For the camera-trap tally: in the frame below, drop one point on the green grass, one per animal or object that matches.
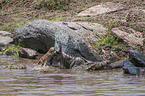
(14, 48)
(106, 40)
(112, 24)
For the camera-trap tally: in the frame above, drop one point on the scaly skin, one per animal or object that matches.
(67, 61)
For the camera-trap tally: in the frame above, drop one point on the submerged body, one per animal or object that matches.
(64, 61)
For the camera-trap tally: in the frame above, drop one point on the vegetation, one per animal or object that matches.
(108, 39)
(15, 13)
(14, 48)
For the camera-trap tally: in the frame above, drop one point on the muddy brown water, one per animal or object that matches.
(30, 82)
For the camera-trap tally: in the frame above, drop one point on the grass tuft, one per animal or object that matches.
(14, 48)
(106, 40)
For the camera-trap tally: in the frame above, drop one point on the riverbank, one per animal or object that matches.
(124, 22)
(22, 12)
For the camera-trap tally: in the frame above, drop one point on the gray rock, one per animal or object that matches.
(38, 35)
(74, 37)
(5, 33)
(137, 58)
(5, 38)
(107, 7)
(129, 36)
(129, 68)
(135, 14)
(135, 65)
(27, 53)
(90, 32)
(73, 44)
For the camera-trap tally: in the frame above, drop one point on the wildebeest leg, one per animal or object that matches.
(51, 57)
(44, 64)
(46, 56)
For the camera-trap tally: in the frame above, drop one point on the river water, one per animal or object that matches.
(29, 82)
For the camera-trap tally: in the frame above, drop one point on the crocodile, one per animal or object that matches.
(64, 61)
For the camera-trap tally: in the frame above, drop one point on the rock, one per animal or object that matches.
(38, 35)
(10, 52)
(5, 38)
(135, 19)
(135, 14)
(129, 36)
(129, 68)
(139, 26)
(90, 32)
(76, 42)
(73, 44)
(137, 58)
(74, 37)
(27, 53)
(107, 7)
(135, 65)
(5, 33)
